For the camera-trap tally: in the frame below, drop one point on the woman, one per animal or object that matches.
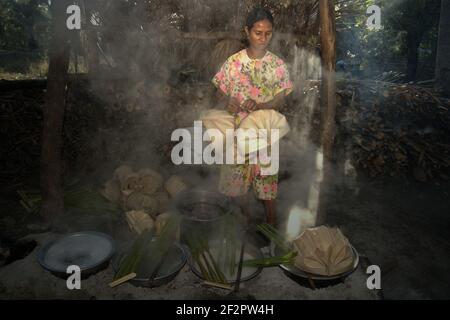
(250, 80)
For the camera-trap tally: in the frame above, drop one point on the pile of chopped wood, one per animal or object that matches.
(394, 130)
(21, 104)
(386, 129)
(20, 127)
(105, 122)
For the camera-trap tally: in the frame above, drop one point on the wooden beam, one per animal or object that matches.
(217, 35)
(53, 115)
(328, 51)
(328, 99)
(443, 47)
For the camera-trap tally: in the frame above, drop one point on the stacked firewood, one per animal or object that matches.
(386, 129)
(395, 130)
(20, 128)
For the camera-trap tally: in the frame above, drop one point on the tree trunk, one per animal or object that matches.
(90, 39)
(413, 42)
(53, 115)
(328, 96)
(29, 14)
(443, 48)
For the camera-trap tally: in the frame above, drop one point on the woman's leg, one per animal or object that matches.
(234, 180)
(269, 208)
(234, 183)
(266, 189)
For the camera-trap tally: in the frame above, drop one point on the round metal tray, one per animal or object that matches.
(90, 251)
(248, 273)
(293, 270)
(169, 269)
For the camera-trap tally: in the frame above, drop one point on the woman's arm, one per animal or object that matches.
(221, 99)
(228, 103)
(276, 103)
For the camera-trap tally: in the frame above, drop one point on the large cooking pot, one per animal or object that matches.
(202, 211)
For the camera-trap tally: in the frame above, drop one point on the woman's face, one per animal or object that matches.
(260, 34)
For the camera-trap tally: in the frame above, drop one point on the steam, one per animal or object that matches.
(148, 53)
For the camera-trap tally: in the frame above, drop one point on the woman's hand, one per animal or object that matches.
(233, 105)
(250, 105)
(276, 103)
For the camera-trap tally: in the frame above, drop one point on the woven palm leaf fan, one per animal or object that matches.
(323, 251)
(261, 139)
(217, 119)
(252, 139)
(220, 120)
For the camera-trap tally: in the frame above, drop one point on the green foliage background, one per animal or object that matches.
(377, 50)
(24, 30)
(24, 37)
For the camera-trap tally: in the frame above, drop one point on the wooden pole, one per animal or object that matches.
(328, 96)
(328, 45)
(443, 47)
(53, 115)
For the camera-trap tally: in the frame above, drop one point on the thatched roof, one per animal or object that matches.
(299, 17)
(148, 35)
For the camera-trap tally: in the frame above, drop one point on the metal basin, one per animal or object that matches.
(251, 252)
(169, 269)
(89, 250)
(315, 281)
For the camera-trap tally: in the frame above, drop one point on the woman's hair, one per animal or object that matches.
(258, 14)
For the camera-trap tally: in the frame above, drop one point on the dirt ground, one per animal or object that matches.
(36, 284)
(401, 227)
(25, 279)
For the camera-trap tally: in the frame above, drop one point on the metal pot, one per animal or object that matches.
(202, 211)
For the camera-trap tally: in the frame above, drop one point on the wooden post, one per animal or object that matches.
(53, 115)
(443, 47)
(93, 59)
(328, 96)
(328, 45)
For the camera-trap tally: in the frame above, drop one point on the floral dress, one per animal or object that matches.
(261, 80)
